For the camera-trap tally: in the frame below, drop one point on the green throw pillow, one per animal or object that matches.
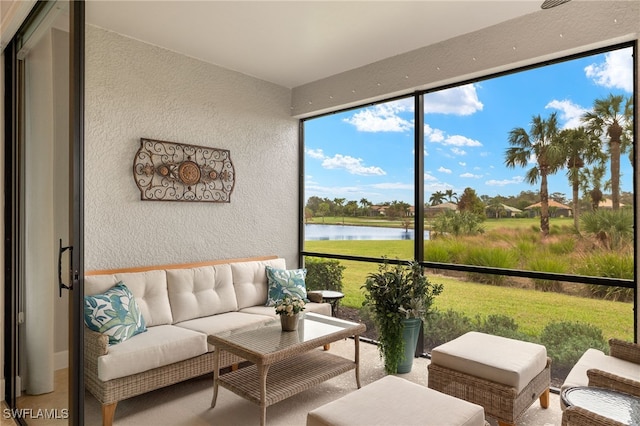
(114, 313)
(282, 282)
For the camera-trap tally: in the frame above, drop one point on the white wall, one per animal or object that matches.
(136, 90)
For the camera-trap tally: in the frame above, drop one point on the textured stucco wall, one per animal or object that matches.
(136, 90)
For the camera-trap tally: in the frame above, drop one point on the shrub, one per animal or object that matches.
(323, 274)
(567, 341)
(492, 257)
(613, 228)
(441, 327)
(611, 265)
(457, 223)
(548, 264)
(499, 325)
(436, 252)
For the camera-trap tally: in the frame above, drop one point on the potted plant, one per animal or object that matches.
(399, 298)
(288, 308)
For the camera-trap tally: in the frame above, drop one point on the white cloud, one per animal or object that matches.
(458, 151)
(444, 170)
(504, 182)
(470, 175)
(382, 118)
(570, 113)
(351, 165)
(459, 140)
(315, 153)
(393, 185)
(461, 100)
(462, 163)
(429, 177)
(433, 135)
(615, 72)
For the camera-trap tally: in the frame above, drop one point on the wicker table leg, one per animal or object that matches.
(216, 375)
(263, 370)
(356, 340)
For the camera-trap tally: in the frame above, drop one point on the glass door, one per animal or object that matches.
(42, 219)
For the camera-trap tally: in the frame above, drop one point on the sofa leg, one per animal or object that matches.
(327, 346)
(108, 413)
(544, 399)
(234, 366)
(504, 424)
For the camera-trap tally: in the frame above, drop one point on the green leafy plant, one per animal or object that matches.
(323, 274)
(393, 293)
(567, 341)
(290, 306)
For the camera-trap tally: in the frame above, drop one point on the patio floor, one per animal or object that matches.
(187, 403)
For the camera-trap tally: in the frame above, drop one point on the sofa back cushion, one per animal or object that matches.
(149, 289)
(250, 281)
(200, 292)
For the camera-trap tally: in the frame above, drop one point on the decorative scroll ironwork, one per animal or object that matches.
(169, 171)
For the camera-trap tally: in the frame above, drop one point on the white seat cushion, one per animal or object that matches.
(318, 308)
(593, 358)
(396, 401)
(158, 346)
(200, 292)
(222, 322)
(507, 361)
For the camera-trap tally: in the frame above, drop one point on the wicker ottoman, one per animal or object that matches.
(505, 376)
(396, 401)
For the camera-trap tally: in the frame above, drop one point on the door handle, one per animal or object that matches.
(61, 250)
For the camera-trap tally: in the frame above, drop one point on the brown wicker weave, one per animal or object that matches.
(110, 392)
(501, 402)
(578, 416)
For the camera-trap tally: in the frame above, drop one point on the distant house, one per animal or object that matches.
(431, 211)
(556, 209)
(607, 204)
(505, 211)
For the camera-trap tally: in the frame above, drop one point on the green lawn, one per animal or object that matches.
(532, 310)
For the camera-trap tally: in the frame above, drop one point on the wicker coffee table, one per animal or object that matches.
(284, 363)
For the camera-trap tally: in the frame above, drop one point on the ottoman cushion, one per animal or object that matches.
(396, 401)
(499, 359)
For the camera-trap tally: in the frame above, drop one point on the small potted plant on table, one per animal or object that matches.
(289, 309)
(399, 298)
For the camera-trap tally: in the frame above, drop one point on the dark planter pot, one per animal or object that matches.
(410, 333)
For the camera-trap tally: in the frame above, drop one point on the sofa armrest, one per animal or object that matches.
(625, 350)
(95, 344)
(604, 379)
(578, 416)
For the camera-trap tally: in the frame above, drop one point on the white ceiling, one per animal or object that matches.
(291, 43)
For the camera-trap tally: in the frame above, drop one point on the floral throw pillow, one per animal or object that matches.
(283, 282)
(114, 313)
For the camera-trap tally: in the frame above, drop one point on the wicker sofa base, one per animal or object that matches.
(110, 392)
(500, 402)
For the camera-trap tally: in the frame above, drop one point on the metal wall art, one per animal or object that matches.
(167, 171)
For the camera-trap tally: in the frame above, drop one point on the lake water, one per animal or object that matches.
(314, 232)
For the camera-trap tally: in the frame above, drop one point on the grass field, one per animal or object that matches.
(531, 309)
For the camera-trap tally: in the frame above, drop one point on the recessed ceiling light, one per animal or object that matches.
(548, 4)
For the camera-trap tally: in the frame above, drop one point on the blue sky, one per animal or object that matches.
(368, 152)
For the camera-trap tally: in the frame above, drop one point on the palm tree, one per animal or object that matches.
(436, 198)
(611, 117)
(452, 197)
(591, 184)
(579, 148)
(540, 144)
(365, 206)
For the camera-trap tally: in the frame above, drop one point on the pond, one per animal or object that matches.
(315, 232)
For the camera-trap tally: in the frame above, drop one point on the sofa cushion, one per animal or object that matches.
(285, 282)
(593, 358)
(200, 292)
(222, 322)
(318, 308)
(159, 346)
(114, 313)
(250, 281)
(149, 289)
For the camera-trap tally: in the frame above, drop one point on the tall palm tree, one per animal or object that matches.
(452, 197)
(611, 117)
(579, 148)
(436, 198)
(539, 145)
(591, 183)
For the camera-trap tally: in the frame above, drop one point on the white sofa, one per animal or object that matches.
(181, 305)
